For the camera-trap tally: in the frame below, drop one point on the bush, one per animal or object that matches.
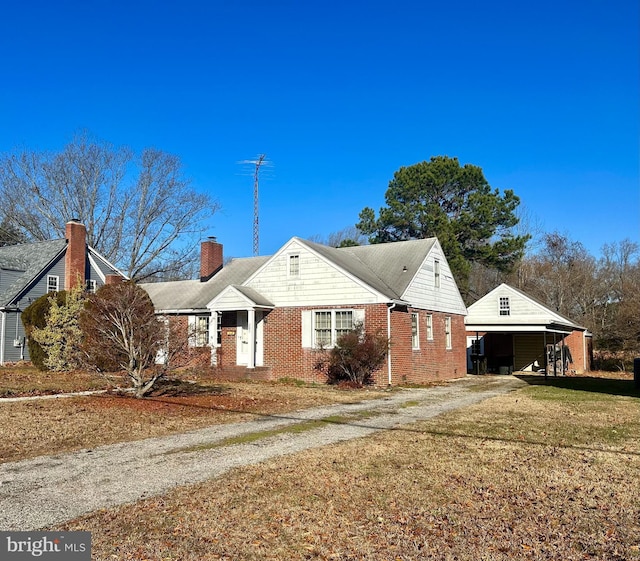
(35, 316)
(355, 358)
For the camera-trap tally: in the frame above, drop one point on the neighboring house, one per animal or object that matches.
(28, 271)
(273, 315)
(509, 330)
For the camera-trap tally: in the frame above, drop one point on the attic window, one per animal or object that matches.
(436, 273)
(504, 307)
(53, 283)
(294, 266)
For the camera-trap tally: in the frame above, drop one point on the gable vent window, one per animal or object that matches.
(53, 283)
(505, 308)
(294, 266)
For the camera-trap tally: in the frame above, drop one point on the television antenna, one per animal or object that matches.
(257, 163)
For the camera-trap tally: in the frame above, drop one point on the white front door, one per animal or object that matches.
(242, 339)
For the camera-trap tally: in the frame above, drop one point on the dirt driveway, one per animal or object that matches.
(52, 489)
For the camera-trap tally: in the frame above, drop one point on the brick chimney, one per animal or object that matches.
(75, 259)
(113, 279)
(210, 258)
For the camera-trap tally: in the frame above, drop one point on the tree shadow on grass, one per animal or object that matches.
(609, 386)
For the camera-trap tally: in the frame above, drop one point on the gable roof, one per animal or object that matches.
(29, 258)
(195, 295)
(389, 268)
(538, 315)
(386, 268)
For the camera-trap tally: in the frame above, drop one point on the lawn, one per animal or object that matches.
(48, 426)
(547, 472)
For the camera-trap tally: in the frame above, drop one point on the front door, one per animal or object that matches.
(242, 338)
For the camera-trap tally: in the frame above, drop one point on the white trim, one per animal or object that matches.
(416, 346)
(2, 330)
(90, 249)
(50, 277)
(94, 266)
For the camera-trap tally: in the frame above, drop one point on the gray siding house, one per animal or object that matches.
(28, 271)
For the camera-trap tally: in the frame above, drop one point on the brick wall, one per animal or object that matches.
(579, 347)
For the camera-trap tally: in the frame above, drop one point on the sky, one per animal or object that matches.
(543, 96)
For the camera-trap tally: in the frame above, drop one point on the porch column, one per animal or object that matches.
(251, 324)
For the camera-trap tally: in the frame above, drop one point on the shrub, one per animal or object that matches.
(355, 358)
(35, 316)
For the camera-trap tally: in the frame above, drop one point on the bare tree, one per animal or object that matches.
(346, 237)
(140, 211)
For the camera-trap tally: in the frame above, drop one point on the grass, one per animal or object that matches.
(535, 474)
(26, 380)
(33, 428)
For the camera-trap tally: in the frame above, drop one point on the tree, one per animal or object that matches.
(10, 234)
(61, 336)
(120, 328)
(473, 222)
(140, 211)
(356, 357)
(347, 237)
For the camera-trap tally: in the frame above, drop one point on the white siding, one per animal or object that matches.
(422, 292)
(230, 299)
(522, 309)
(319, 283)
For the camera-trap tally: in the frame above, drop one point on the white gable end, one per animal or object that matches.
(423, 291)
(297, 276)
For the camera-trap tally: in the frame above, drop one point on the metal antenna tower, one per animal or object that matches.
(257, 163)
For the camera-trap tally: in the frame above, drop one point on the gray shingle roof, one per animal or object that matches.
(379, 266)
(31, 258)
(195, 295)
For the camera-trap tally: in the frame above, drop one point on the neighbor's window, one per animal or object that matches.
(202, 331)
(415, 341)
(92, 286)
(429, 327)
(329, 325)
(53, 283)
(294, 265)
(447, 331)
(219, 328)
(505, 309)
(436, 273)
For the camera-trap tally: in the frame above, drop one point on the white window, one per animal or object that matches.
(219, 328)
(415, 339)
(322, 328)
(429, 327)
(504, 307)
(202, 331)
(92, 286)
(436, 273)
(476, 346)
(53, 283)
(294, 266)
(447, 332)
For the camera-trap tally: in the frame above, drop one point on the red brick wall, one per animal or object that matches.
(579, 348)
(432, 361)
(283, 351)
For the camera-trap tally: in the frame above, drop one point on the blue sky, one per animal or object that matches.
(543, 96)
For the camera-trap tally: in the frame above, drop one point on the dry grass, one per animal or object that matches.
(25, 380)
(33, 428)
(542, 473)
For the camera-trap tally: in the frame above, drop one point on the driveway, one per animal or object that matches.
(49, 490)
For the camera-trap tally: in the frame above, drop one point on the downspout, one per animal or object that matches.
(2, 332)
(393, 305)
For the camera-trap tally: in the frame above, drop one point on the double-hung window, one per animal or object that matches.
(436, 273)
(293, 271)
(53, 283)
(429, 327)
(447, 332)
(329, 325)
(415, 335)
(92, 286)
(199, 331)
(504, 306)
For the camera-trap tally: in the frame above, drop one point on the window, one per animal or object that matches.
(476, 346)
(505, 309)
(219, 328)
(329, 325)
(436, 273)
(202, 331)
(91, 286)
(415, 340)
(447, 331)
(429, 327)
(294, 266)
(53, 283)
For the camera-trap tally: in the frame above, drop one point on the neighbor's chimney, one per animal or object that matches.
(113, 279)
(75, 258)
(210, 258)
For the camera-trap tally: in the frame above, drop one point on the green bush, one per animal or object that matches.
(35, 316)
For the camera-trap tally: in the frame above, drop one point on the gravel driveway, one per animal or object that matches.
(52, 489)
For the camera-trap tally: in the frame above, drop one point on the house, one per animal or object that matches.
(30, 270)
(509, 330)
(271, 316)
